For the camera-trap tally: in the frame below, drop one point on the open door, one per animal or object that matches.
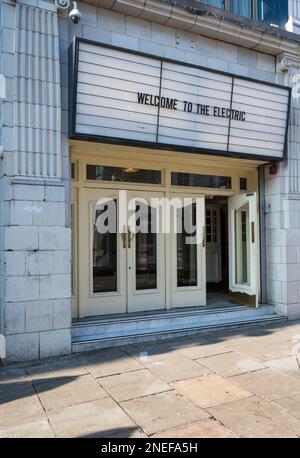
(243, 247)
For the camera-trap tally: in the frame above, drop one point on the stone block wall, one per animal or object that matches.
(36, 242)
(37, 271)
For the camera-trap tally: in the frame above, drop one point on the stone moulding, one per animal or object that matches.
(209, 21)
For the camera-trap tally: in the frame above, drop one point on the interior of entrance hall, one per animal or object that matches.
(217, 268)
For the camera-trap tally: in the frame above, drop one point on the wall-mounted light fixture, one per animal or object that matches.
(273, 169)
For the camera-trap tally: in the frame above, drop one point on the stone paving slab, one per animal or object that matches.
(270, 350)
(21, 410)
(232, 363)
(289, 364)
(256, 417)
(63, 392)
(163, 411)
(56, 369)
(101, 418)
(12, 374)
(38, 429)
(209, 428)
(240, 382)
(200, 350)
(160, 350)
(268, 383)
(210, 390)
(291, 404)
(173, 366)
(109, 362)
(132, 385)
(15, 384)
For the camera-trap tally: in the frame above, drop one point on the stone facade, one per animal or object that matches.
(36, 256)
(35, 237)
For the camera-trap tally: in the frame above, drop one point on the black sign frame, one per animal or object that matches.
(73, 135)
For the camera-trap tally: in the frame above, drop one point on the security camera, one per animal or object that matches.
(75, 14)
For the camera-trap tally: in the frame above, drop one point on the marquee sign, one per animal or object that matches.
(131, 98)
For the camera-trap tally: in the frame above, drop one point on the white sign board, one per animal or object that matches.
(137, 99)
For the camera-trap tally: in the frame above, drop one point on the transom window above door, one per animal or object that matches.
(123, 174)
(200, 180)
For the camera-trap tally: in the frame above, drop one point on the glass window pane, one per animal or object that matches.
(216, 3)
(104, 255)
(242, 246)
(273, 11)
(243, 184)
(242, 8)
(126, 174)
(200, 181)
(145, 248)
(73, 170)
(186, 252)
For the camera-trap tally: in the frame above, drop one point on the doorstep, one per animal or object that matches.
(113, 331)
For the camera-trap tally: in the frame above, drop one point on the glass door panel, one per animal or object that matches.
(104, 257)
(213, 245)
(187, 251)
(242, 245)
(145, 248)
(243, 249)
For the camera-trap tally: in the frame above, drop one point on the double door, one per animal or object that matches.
(140, 251)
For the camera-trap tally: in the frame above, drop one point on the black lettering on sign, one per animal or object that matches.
(203, 109)
(141, 97)
(170, 103)
(156, 100)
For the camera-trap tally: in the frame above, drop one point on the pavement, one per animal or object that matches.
(244, 382)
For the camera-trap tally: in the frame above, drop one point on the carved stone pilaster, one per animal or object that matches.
(290, 66)
(37, 104)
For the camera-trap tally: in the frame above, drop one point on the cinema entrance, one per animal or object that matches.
(153, 139)
(172, 238)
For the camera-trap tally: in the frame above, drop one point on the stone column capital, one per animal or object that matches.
(289, 64)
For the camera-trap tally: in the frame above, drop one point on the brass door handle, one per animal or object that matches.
(130, 237)
(124, 239)
(252, 232)
(204, 237)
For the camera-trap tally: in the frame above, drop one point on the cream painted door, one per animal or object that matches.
(145, 252)
(121, 252)
(187, 253)
(213, 244)
(102, 254)
(243, 249)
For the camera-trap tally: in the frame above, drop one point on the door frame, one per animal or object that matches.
(245, 293)
(84, 153)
